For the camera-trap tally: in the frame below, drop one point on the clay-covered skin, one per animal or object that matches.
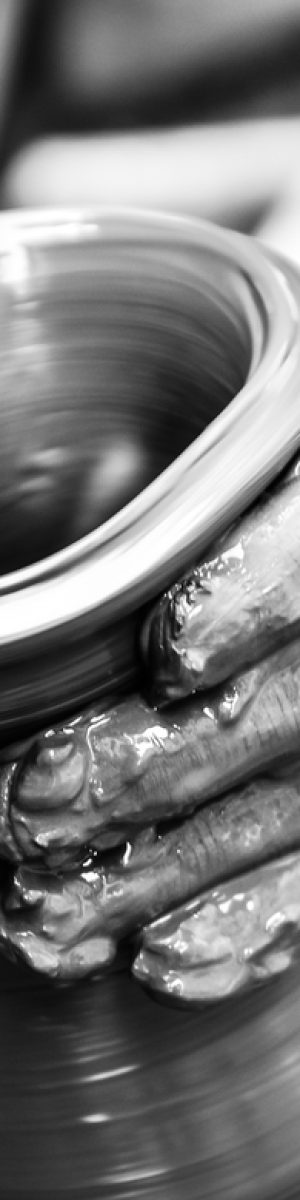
(49, 923)
(233, 608)
(66, 925)
(94, 783)
(237, 935)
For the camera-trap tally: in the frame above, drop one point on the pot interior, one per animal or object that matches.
(114, 358)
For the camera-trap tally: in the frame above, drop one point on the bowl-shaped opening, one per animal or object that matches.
(114, 358)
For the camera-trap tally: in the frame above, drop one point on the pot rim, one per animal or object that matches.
(69, 585)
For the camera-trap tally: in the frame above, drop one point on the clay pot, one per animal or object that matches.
(149, 389)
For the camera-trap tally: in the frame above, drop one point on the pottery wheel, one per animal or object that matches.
(105, 1093)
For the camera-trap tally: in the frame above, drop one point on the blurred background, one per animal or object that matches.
(187, 105)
